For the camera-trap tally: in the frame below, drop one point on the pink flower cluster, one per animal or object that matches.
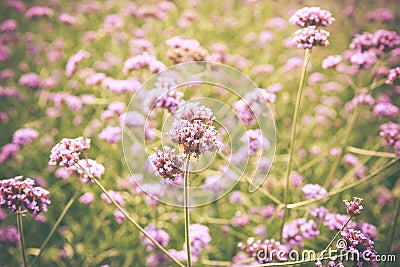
(89, 166)
(167, 163)
(311, 36)
(18, 194)
(38, 12)
(359, 243)
(251, 104)
(158, 234)
(256, 141)
(9, 25)
(253, 246)
(380, 15)
(30, 80)
(314, 191)
(353, 207)
(331, 62)
(382, 40)
(391, 133)
(394, 76)
(21, 137)
(73, 61)
(143, 60)
(9, 235)
(312, 16)
(185, 50)
(66, 153)
(296, 231)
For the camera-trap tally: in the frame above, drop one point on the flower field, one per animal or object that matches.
(199, 133)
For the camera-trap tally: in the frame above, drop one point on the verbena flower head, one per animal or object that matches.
(196, 137)
(354, 207)
(311, 36)
(359, 245)
(394, 76)
(157, 234)
(312, 16)
(22, 194)
(185, 50)
(255, 140)
(167, 163)
(24, 136)
(296, 231)
(191, 111)
(66, 153)
(200, 239)
(391, 133)
(314, 191)
(253, 246)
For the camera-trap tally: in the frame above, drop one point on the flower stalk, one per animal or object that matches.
(186, 211)
(130, 219)
(21, 235)
(306, 60)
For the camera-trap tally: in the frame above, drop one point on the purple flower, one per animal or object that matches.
(296, 179)
(112, 23)
(350, 160)
(239, 219)
(379, 15)
(30, 80)
(121, 86)
(9, 235)
(296, 231)
(142, 61)
(331, 62)
(394, 76)
(24, 136)
(115, 195)
(167, 163)
(19, 194)
(200, 239)
(255, 140)
(357, 242)
(354, 207)
(319, 213)
(196, 137)
(236, 197)
(67, 19)
(8, 150)
(336, 221)
(73, 61)
(157, 234)
(311, 36)
(164, 95)
(314, 191)
(253, 246)
(90, 166)
(312, 16)
(385, 40)
(368, 229)
(66, 153)
(86, 198)
(363, 60)
(9, 25)
(119, 216)
(111, 134)
(38, 12)
(386, 109)
(185, 50)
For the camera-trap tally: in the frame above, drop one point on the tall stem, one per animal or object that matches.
(333, 239)
(306, 60)
(186, 211)
(55, 226)
(129, 218)
(21, 235)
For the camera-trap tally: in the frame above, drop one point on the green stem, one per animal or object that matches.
(306, 60)
(129, 218)
(21, 235)
(344, 188)
(55, 226)
(371, 153)
(186, 211)
(342, 145)
(333, 239)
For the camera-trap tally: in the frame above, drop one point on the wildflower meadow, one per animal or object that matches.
(199, 133)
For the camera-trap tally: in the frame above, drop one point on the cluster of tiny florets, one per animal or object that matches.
(18, 195)
(168, 164)
(354, 207)
(309, 19)
(391, 133)
(394, 76)
(66, 153)
(185, 50)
